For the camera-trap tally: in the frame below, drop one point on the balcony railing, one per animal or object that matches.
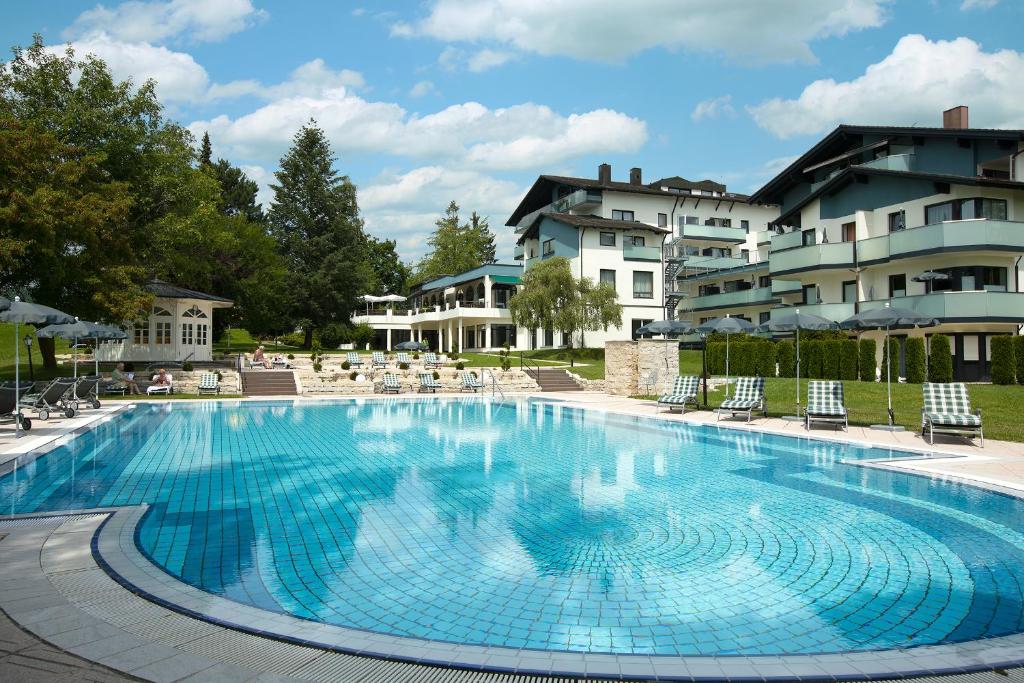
(979, 233)
(980, 306)
(780, 287)
(715, 262)
(580, 199)
(518, 251)
(631, 252)
(893, 162)
(836, 312)
(813, 257)
(714, 233)
(743, 297)
(787, 240)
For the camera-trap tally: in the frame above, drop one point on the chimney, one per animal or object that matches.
(955, 117)
(604, 174)
(634, 177)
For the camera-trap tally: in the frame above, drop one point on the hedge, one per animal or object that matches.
(940, 360)
(848, 359)
(893, 351)
(914, 351)
(1004, 363)
(830, 359)
(868, 368)
(745, 358)
(1018, 353)
(785, 353)
(810, 359)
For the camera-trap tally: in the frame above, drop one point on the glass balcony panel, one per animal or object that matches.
(893, 162)
(833, 255)
(787, 240)
(979, 305)
(786, 286)
(744, 297)
(632, 252)
(836, 312)
(714, 233)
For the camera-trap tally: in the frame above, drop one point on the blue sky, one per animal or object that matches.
(471, 99)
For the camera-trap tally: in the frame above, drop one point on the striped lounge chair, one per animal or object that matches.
(825, 403)
(470, 383)
(430, 360)
(208, 383)
(947, 410)
(428, 383)
(378, 359)
(749, 396)
(390, 384)
(354, 360)
(403, 358)
(684, 390)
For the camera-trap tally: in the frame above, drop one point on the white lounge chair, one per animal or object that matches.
(470, 382)
(353, 359)
(209, 383)
(825, 403)
(378, 359)
(390, 384)
(428, 383)
(749, 396)
(684, 390)
(947, 410)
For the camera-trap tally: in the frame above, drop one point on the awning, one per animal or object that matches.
(507, 279)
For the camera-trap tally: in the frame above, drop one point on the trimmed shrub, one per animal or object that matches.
(345, 365)
(403, 366)
(830, 359)
(1018, 353)
(786, 355)
(291, 356)
(361, 335)
(352, 375)
(741, 359)
(187, 366)
(914, 351)
(940, 360)
(867, 366)
(810, 359)
(766, 354)
(294, 339)
(333, 335)
(848, 360)
(460, 365)
(1004, 362)
(716, 358)
(437, 375)
(893, 352)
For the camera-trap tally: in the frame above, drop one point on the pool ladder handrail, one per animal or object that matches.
(495, 386)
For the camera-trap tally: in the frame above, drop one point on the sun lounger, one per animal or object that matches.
(161, 388)
(52, 398)
(9, 410)
(428, 383)
(353, 359)
(947, 410)
(379, 359)
(825, 403)
(403, 358)
(684, 390)
(390, 384)
(470, 383)
(430, 360)
(208, 383)
(86, 392)
(749, 396)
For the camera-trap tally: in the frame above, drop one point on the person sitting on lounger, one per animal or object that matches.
(161, 383)
(120, 380)
(260, 356)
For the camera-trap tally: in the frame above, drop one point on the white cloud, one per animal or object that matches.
(134, 21)
(746, 180)
(488, 59)
(263, 178)
(422, 89)
(939, 74)
(713, 108)
(978, 4)
(312, 78)
(769, 30)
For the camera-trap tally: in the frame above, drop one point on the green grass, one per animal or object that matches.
(235, 340)
(7, 354)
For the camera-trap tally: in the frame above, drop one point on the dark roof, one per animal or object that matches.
(847, 174)
(679, 183)
(168, 291)
(589, 221)
(827, 145)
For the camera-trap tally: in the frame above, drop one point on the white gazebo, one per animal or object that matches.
(179, 328)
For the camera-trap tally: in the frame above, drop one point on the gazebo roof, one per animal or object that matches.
(165, 290)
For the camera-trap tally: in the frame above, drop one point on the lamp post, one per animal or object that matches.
(28, 347)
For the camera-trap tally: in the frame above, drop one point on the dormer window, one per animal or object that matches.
(622, 215)
(194, 312)
(161, 312)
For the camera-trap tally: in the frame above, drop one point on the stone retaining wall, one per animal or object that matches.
(336, 380)
(627, 362)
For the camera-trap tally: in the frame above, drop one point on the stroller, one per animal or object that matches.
(86, 391)
(9, 410)
(52, 397)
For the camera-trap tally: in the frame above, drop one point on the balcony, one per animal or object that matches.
(893, 162)
(631, 252)
(780, 287)
(580, 199)
(745, 297)
(979, 234)
(836, 312)
(715, 262)
(714, 233)
(787, 240)
(518, 252)
(813, 257)
(976, 306)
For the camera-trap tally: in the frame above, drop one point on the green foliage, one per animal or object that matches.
(333, 335)
(317, 357)
(1018, 354)
(437, 375)
(716, 358)
(848, 359)
(345, 365)
(765, 354)
(206, 150)
(390, 275)
(361, 335)
(891, 351)
(460, 365)
(403, 366)
(786, 353)
(940, 359)
(506, 359)
(1004, 361)
(867, 366)
(746, 358)
(811, 365)
(830, 358)
(291, 356)
(237, 191)
(292, 339)
(914, 352)
(187, 366)
(352, 375)
(456, 247)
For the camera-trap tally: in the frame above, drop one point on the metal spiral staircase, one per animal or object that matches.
(674, 261)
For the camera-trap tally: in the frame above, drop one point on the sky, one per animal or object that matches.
(425, 102)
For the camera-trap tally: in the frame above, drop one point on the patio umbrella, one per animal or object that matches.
(72, 331)
(392, 297)
(885, 319)
(726, 326)
(5, 303)
(794, 322)
(928, 277)
(102, 333)
(22, 312)
(408, 346)
(665, 327)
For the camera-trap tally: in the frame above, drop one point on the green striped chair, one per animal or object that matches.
(684, 390)
(748, 396)
(379, 359)
(390, 384)
(403, 358)
(353, 359)
(825, 403)
(208, 383)
(470, 383)
(430, 360)
(428, 383)
(947, 410)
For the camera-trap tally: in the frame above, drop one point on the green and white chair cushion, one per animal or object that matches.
(469, 381)
(947, 408)
(353, 358)
(391, 382)
(749, 394)
(430, 360)
(427, 381)
(403, 358)
(684, 390)
(378, 358)
(954, 420)
(826, 398)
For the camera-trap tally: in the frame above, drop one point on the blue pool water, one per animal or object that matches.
(524, 524)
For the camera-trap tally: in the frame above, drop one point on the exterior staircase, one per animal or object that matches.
(268, 383)
(554, 379)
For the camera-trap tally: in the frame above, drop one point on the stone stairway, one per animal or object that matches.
(554, 379)
(268, 383)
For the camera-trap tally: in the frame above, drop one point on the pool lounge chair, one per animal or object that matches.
(354, 360)
(428, 383)
(947, 410)
(430, 360)
(684, 390)
(390, 384)
(52, 397)
(825, 403)
(379, 359)
(208, 383)
(9, 410)
(748, 397)
(470, 383)
(401, 357)
(86, 392)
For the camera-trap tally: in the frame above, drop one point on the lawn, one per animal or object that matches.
(7, 353)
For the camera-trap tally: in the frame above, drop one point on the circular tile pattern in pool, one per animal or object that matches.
(529, 525)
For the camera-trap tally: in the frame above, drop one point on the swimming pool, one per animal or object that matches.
(532, 525)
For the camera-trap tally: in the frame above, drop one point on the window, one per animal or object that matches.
(850, 291)
(692, 220)
(763, 317)
(965, 209)
(809, 238)
(810, 294)
(186, 334)
(549, 247)
(163, 312)
(163, 333)
(607, 239)
(745, 225)
(607, 277)
(936, 213)
(643, 284)
(993, 279)
(719, 222)
(662, 220)
(201, 334)
(897, 285)
(636, 324)
(622, 215)
(637, 240)
(764, 281)
(142, 333)
(897, 221)
(549, 337)
(849, 232)
(194, 312)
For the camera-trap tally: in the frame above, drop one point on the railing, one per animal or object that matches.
(982, 233)
(495, 386)
(631, 252)
(961, 306)
(575, 200)
(743, 297)
(835, 255)
(518, 251)
(893, 162)
(786, 286)
(787, 240)
(714, 233)
(836, 312)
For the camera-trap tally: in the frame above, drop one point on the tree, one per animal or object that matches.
(315, 219)
(237, 191)
(206, 151)
(552, 298)
(391, 276)
(456, 247)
